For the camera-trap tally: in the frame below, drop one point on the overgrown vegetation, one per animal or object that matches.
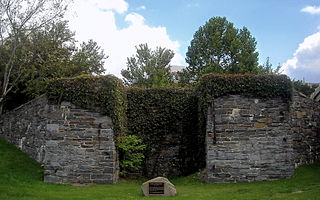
(21, 178)
(261, 86)
(150, 110)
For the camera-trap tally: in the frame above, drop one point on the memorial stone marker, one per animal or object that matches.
(159, 186)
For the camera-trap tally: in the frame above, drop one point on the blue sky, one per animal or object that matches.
(279, 27)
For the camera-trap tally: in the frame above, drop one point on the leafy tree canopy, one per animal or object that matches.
(219, 47)
(18, 20)
(50, 52)
(149, 68)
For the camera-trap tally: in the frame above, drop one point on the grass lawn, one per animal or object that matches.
(21, 178)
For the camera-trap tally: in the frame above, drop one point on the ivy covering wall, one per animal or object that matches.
(167, 121)
(260, 86)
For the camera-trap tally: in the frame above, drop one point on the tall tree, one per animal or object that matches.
(266, 67)
(149, 68)
(89, 59)
(219, 47)
(20, 18)
(51, 52)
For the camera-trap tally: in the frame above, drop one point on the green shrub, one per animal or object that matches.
(131, 155)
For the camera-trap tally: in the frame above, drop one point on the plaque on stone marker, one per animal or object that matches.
(156, 188)
(159, 186)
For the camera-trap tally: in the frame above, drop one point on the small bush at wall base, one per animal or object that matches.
(131, 156)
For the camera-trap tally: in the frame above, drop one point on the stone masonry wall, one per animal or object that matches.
(75, 145)
(305, 123)
(248, 140)
(25, 127)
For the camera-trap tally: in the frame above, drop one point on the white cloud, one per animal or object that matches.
(141, 8)
(311, 10)
(91, 22)
(135, 19)
(305, 64)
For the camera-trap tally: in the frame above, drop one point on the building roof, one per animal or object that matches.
(177, 68)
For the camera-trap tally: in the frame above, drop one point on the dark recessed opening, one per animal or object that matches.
(213, 168)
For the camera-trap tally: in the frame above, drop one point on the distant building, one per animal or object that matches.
(174, 70)
(177, 68)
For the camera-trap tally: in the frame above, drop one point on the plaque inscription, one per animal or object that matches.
(156, 188)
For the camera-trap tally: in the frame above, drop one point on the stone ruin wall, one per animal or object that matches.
(305, 124)
(252, 139)
(25, 127)
(248, 140)
(75, 145)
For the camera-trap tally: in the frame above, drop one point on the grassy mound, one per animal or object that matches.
(21, 178)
